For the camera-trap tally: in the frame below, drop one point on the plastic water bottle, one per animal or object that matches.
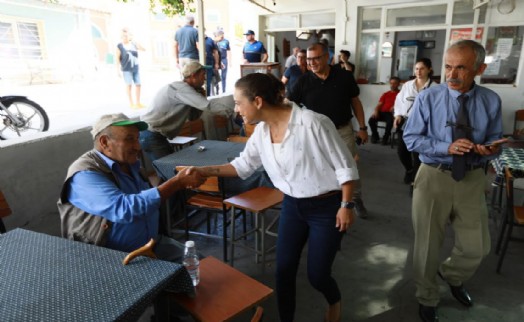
(191, 262)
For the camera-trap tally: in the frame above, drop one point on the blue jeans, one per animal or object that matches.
(154, 145)
(224, 75)
(310, 220)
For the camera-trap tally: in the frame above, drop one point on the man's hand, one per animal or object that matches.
(460, 147)
(397, 121)
(363, 134)
(374, 115)
(489, 148)
(345, 219)
(190, 178)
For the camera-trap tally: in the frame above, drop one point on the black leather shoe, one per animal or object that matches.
(459, 292)
(428, 313)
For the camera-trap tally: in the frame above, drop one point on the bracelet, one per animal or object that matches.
(363, 128)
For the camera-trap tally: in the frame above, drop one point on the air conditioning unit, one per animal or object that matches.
(479, 3)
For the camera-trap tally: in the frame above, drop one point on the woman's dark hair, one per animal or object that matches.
(427, 63)
(267, 86)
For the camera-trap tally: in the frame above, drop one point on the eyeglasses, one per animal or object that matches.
(315, 59)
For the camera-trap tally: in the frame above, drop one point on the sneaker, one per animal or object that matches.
(374, 139)
(360, 210)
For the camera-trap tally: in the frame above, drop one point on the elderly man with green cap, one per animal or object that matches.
(106, 199)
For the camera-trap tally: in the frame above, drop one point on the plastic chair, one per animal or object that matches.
(514, 217)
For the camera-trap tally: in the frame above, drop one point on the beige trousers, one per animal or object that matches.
(348, 136)
(437, 201)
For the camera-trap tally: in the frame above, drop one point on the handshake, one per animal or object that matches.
(190, 177)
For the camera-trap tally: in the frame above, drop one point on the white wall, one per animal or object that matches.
(32, 175)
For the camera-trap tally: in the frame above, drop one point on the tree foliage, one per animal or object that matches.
(170, 7)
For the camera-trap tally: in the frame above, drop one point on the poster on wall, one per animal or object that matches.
(465, 33)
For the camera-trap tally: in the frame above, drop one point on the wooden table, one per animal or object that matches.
(223, 293)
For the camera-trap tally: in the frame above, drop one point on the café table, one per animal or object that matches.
(211, 152)
(204, 153)
(512, 157)
(48, 278)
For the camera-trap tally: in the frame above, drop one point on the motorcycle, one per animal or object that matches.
(21, 116)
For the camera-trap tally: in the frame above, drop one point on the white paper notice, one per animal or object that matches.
(504, 47)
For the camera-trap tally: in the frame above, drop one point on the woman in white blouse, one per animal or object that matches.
(307, 160)
(403, 104)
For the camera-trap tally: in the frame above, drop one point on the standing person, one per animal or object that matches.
(224, 51)
(449, 127)
(384, 112)
(403, 108)
(172, 106)
(333, 93)
(127, 58)
(331, 52)
(343, 61)
(293, 73)
(316, 182)
(254, 50)
(186, 43)
(292, 59)
(212, 60)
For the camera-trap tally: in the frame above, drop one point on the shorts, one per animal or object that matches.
(131, 77)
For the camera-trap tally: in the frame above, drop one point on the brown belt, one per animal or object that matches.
(327, 194)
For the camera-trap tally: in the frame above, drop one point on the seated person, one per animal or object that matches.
(106, 199)
(176, 103)
(384, 112)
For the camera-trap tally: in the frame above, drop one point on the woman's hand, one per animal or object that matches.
(345, 219)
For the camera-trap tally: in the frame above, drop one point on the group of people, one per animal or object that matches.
(306, 144)
(394, 108)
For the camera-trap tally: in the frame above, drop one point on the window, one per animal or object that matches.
(503, 48)
(20, 40)
(368, 62)
(370, 18)
(417, 16)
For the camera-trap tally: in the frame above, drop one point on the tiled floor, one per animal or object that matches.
(373, 268)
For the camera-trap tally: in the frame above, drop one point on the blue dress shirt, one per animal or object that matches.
(133, 207)
(429, 129)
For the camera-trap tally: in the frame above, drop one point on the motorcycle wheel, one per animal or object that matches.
(34, 119)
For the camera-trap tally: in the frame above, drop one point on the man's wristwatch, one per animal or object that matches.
(363, 128)
(347, 204)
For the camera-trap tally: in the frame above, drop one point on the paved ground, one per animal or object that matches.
(373, 268)
(80, 102)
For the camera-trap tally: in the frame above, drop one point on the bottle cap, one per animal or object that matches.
(190, 243)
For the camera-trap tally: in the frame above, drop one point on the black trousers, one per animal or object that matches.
(409, 160)
(382, 117)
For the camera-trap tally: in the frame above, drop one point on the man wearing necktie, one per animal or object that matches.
(450, 127)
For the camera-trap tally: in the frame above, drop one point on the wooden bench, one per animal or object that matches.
(4, 211)
(223, 293)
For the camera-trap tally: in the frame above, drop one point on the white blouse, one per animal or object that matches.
(313, 157)
(406, 97)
